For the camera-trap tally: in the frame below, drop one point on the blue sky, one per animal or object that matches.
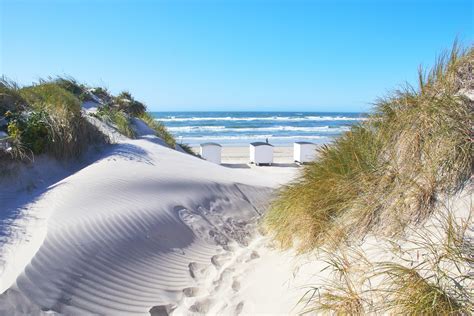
(232, 55)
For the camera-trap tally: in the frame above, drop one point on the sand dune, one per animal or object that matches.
(142, 228)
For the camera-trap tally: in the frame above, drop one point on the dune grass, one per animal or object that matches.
(127, 104)
(159, 128)
(439, 280)
(188, 149)
(341, 292)
(70, 84)
(10, 97)
(118, 119)
(388, 171)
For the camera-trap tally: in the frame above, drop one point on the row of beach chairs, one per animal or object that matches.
(261, 153)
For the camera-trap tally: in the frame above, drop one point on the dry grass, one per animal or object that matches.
(341, 293)
(10, 98)
(188, 149)
(434, 273)
(389, 171)
(429, 273)
(117, 119)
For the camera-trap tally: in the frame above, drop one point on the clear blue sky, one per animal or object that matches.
(232, 55)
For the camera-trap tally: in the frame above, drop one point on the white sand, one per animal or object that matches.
(142, 228)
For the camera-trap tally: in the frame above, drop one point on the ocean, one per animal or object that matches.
(242, 128)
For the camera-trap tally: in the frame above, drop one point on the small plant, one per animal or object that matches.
(10, 97)
(412, 294)
(434, 275)
(126, 103)
(341, 293)
(33, 129)
(103, 94)
(188, 149)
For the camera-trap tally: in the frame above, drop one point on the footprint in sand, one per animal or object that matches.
(236, 285)
(238, 308)
(192, 291)
(218, 260)
(162, 310)
(253, 255)
(201, 307)
(201, 227)
(198, 271)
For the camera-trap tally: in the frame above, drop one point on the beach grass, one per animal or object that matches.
(159, 128)
(388, 171)
(118, 119)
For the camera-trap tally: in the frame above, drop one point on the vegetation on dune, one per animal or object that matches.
(386, 176)
(188, 149)
(118, 119)
(126, 103)
(45, 118)
(388, 171)
(70, 84)
(430, 273)
(441, 282)
(159, 128)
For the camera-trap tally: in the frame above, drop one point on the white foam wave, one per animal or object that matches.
(266, 118)
(248, 137)
(258, 129)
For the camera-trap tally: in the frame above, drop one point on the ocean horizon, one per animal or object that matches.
(239, 128)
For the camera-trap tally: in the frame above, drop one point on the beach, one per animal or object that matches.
(143, 228)
(236, 158)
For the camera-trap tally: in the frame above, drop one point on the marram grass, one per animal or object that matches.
(388, 171)
(159, 128)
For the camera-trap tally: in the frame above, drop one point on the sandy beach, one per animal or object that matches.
(143, 228)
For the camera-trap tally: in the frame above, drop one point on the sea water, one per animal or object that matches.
(241, 128)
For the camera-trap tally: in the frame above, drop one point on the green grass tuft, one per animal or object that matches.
(118, 119)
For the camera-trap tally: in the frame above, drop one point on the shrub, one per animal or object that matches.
(32, 129)
(435, 273)
(69, 133)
